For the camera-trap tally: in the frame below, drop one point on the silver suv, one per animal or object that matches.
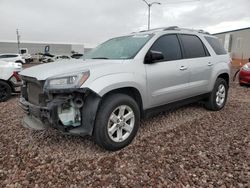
(123, 80)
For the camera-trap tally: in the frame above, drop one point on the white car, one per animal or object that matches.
(48, 58)
(10, 81)
(11, 57)
(61, 57)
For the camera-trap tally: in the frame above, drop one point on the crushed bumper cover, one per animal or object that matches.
(33, 123)
(40, 118)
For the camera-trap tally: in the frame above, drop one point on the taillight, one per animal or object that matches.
(17, 76)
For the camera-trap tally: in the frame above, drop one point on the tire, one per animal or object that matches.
(5, 91)
(114, 133)
(218, 97)
(241, 84)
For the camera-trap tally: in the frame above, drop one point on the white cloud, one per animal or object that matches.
(93, 21)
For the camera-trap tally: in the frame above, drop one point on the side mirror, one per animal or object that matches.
(153, 57)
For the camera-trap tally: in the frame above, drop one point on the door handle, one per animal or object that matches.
(183, 68)
(210, 64)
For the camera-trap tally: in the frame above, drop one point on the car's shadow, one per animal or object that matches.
(56, 139)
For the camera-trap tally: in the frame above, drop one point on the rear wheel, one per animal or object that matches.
(117, 122)
(218, 97)
(5, 91)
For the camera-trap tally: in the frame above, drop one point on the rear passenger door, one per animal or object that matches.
(199, 61)
(167, 80)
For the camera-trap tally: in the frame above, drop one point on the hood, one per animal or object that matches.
(44, 71)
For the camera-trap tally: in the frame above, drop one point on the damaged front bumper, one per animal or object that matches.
(53, 114)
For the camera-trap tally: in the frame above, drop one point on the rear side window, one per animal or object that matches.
(3, 56)
(193, 47)
(8, 56)
(11, 56)
(169, 46)
(216, 45)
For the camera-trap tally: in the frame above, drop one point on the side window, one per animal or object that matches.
(10, 56)
(216, 45)
(193, 46)
(169, 46)
(3, 56)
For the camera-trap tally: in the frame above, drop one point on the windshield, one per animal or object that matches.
(120, 48)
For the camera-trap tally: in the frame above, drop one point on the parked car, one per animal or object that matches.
(244, 75)
(61, 57)
(77, 56)
(10, 57)
(10, 81)
(46, 58)
(126, 79)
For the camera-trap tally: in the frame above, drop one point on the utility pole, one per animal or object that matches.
(157, 3)
(149, 10)
(18, 40)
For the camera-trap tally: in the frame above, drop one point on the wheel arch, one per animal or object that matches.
(9, 83)
(225, 76)
(222, 74)
(130, 91)
(19, 61)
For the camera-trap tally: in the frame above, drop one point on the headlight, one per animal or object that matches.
(67, 81)
(246, 67)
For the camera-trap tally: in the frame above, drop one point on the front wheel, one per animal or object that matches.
(5, 91)
(218, 97)
(117, 122)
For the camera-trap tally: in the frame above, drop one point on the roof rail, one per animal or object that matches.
(171, 28)
(204, 32)
(161, 29)
(175, 28)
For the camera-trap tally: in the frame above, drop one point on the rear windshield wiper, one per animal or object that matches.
(100, 58)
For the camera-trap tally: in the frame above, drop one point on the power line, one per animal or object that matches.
(184, 1)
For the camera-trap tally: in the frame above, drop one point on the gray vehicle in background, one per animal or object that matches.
(123, 80)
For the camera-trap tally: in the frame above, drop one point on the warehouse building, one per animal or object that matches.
(39, 47)
(237, 43)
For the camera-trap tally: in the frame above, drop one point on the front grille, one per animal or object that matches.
(32, 91)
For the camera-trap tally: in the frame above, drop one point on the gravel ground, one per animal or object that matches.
(188, 147)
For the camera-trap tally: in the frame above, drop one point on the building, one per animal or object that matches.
(237, 43)
(39, 47)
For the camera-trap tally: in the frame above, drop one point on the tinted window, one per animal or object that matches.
(8, 56)
(216, 45)
(11, 56)
(23, 51)
(193, 47)
(169, 46)
(77, 56)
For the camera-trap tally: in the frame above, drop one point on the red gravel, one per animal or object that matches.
(189, 147)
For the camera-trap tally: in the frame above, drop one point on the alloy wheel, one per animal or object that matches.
(121, 123)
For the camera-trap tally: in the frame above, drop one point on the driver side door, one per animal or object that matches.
(167, 79)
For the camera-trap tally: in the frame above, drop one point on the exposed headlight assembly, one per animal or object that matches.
(246, 67)
(67, 81)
